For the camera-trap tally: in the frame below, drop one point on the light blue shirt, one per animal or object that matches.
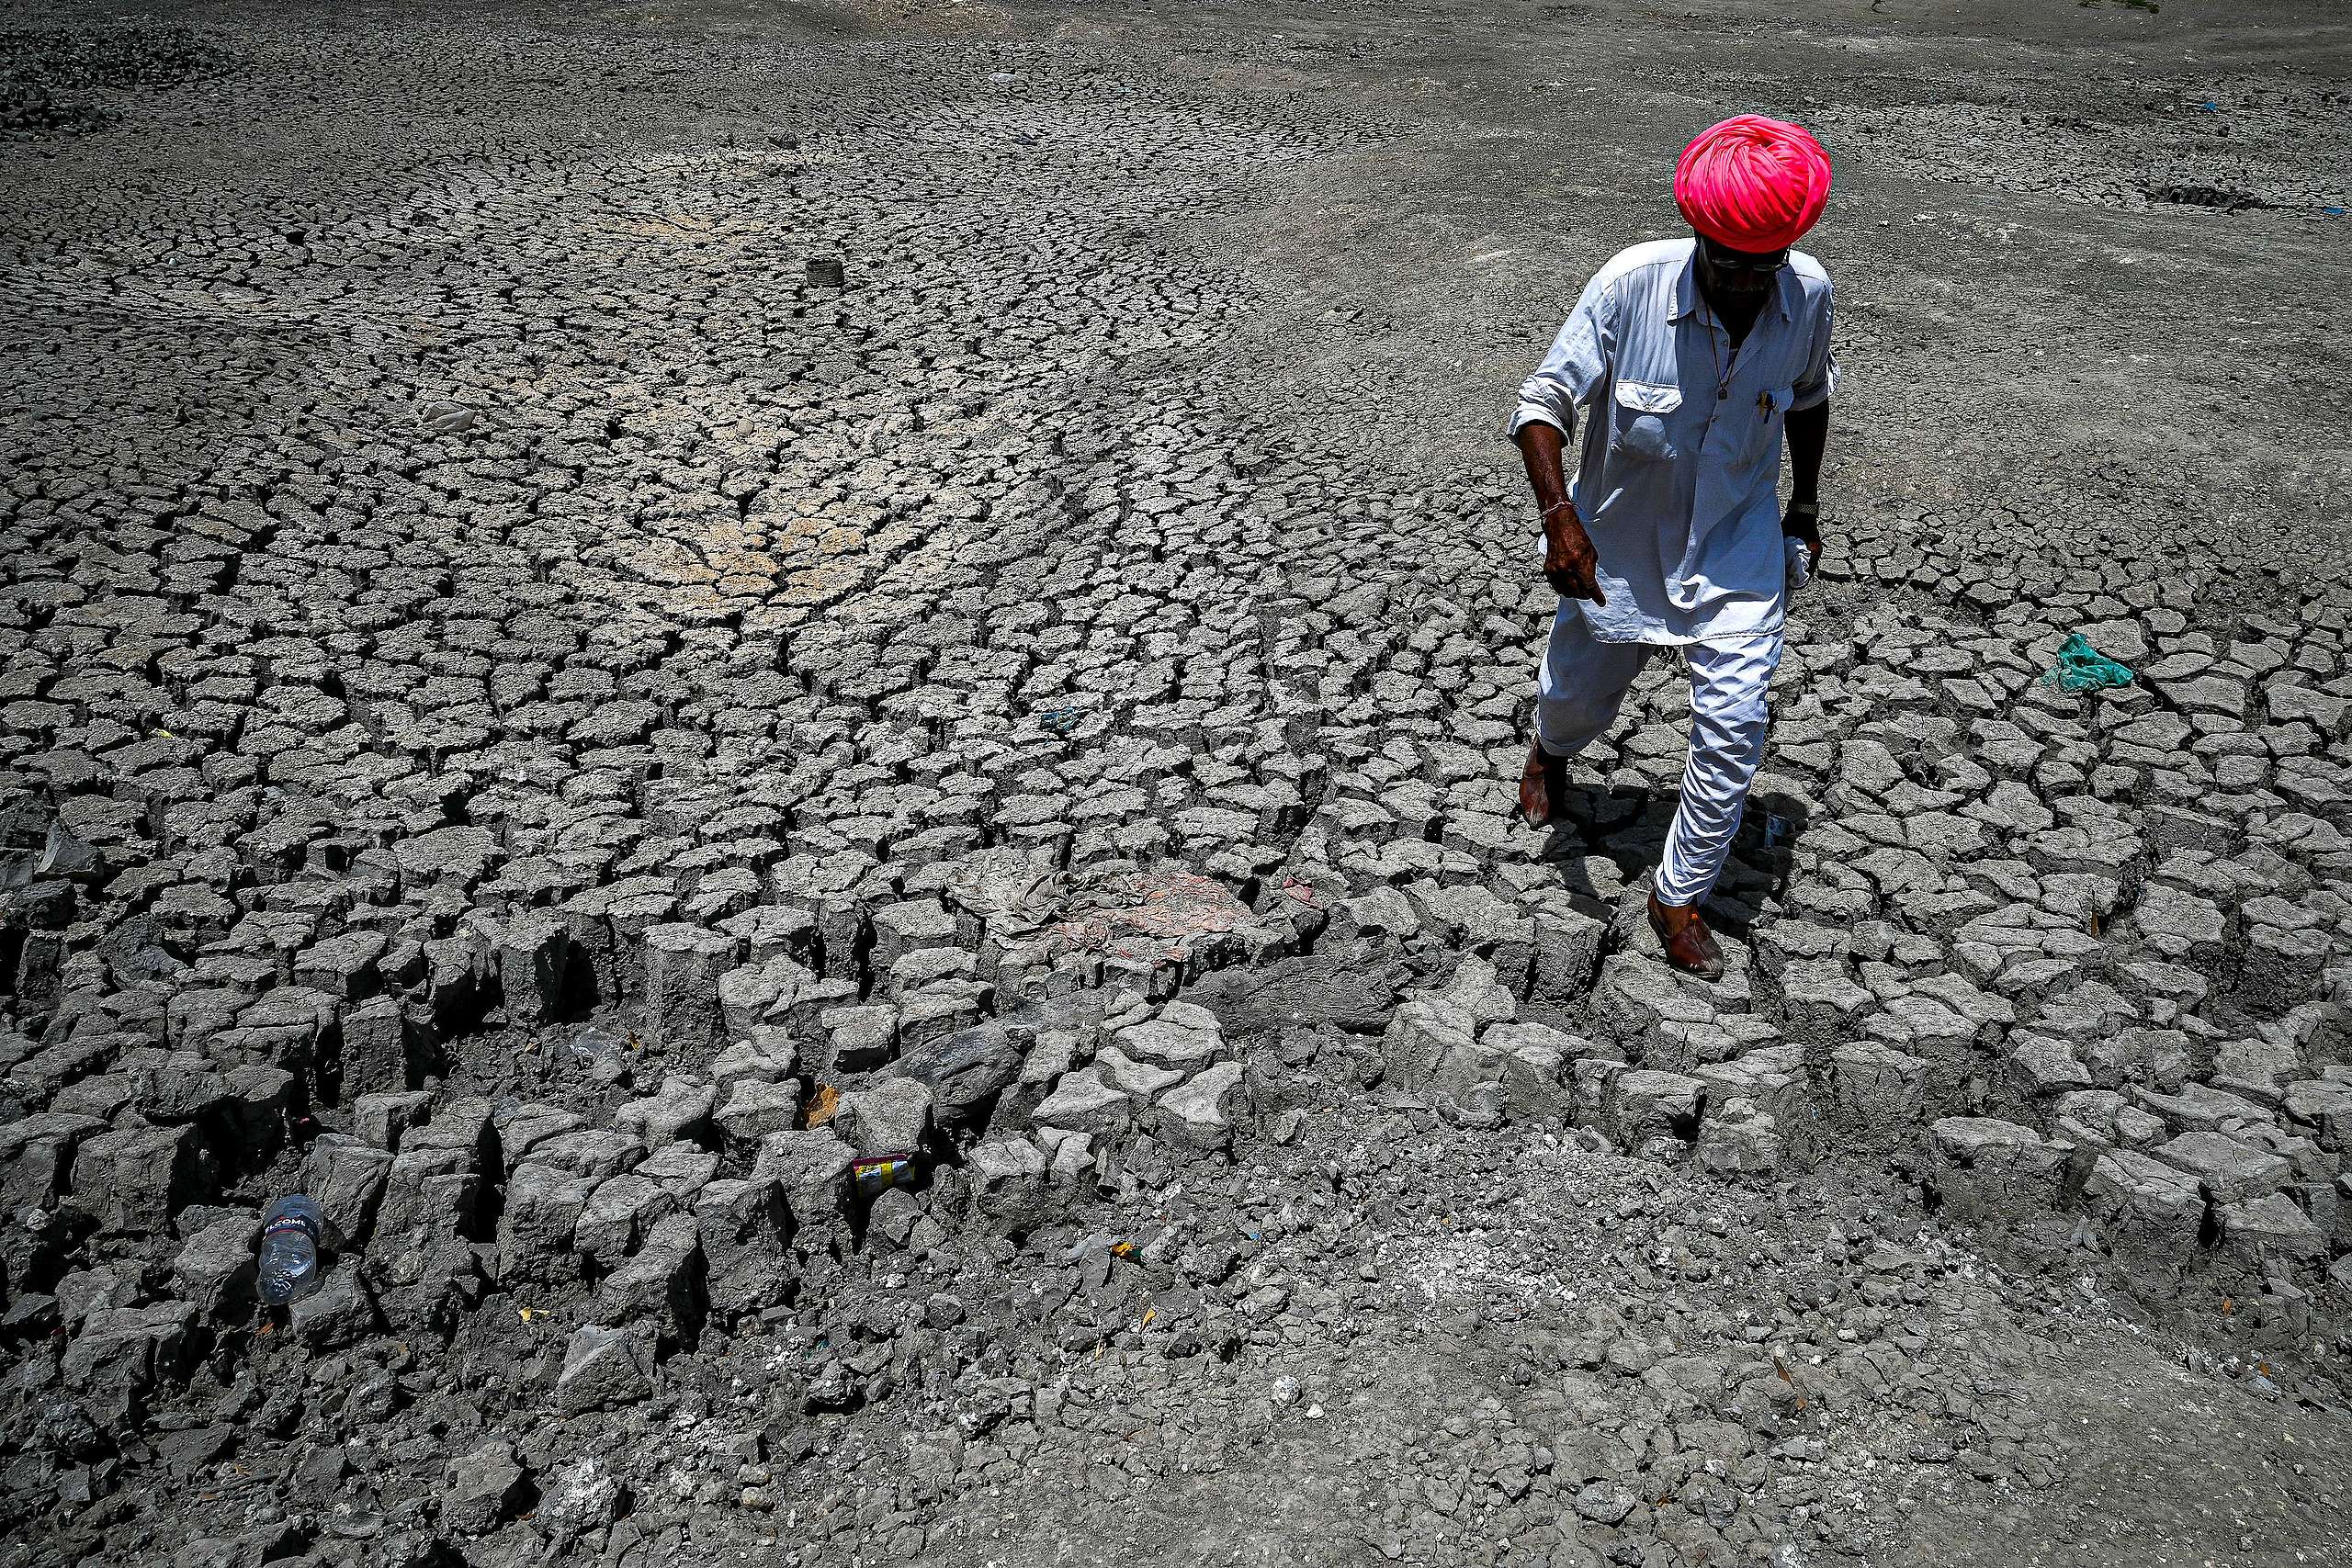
(1679, 481)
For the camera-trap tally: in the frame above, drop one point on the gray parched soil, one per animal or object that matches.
(610, 610)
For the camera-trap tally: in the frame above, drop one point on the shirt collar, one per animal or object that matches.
(1686, 300)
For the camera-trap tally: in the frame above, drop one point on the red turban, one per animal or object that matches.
(1752, 183)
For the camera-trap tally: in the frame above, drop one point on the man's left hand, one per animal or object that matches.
(1802, 520)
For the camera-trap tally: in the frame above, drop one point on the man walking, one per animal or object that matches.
(1691, 356)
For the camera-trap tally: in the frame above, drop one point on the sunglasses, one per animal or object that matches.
(1749, 264)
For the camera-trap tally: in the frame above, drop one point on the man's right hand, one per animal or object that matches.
(1569, 564)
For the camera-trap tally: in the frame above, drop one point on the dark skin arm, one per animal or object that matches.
(1568, 561)
(1808, 433)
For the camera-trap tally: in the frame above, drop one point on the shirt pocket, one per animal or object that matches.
(1772, 409)
(1643, 413)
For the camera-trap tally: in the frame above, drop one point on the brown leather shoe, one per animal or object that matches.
(1689, 945)
(1542, 783)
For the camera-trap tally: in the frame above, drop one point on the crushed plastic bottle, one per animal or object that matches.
(293, 1230)
(601, 1054)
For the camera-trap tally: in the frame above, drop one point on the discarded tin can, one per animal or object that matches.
(876, 1174)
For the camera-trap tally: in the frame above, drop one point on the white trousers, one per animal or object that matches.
(1579, 686)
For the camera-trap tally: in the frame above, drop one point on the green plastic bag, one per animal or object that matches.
(2082, 667)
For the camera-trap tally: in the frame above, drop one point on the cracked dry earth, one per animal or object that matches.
(608, 614)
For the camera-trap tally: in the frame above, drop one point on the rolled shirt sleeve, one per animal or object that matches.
(1578, 359)
(1819, 382)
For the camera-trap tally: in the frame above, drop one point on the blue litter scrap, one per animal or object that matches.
(2082, 667)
